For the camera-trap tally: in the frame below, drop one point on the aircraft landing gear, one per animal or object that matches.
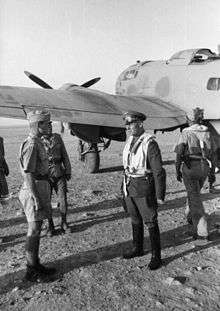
(89, 154)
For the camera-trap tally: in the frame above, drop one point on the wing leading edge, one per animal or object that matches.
(86, 106)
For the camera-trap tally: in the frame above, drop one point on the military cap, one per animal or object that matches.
(38, 115)
(133, 116)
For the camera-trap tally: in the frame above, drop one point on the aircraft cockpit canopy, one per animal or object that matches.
(193, 56)
(130, 74)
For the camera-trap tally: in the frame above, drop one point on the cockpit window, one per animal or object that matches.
(204, 55)
(131, 74)
(213, 84)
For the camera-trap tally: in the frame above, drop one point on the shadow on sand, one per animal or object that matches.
(171, 238)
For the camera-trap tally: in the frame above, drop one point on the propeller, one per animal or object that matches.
(47, 86)
(37, 80)
(90, 82)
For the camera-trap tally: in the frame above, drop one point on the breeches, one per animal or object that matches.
(60, 188)
(194, 179)
(142, 209)
(26, 198)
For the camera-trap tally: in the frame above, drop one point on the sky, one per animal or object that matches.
(76, 40)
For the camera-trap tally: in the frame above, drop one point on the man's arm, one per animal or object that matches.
(65, 160)
(28, 162)
(30, 182)
(155, 161)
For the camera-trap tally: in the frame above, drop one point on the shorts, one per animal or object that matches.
(28, 203)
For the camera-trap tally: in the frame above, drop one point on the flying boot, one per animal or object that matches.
(154, 234)
(138, 242)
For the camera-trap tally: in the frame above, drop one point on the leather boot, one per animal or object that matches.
(138, 241)
(44, 271)
(31, 248)
(154, 234)
(64, 225)
(50, 229)
(35, 272)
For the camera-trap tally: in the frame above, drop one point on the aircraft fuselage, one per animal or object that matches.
(189, 79)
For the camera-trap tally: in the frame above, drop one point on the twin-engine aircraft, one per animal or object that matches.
(165, 91)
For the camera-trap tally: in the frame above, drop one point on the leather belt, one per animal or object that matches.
(41, 177)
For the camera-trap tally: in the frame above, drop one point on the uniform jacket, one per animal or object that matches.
(145, 156)
(59, 163)
(33, 157)
(195, 140)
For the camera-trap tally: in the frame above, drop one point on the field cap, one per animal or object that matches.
(133, 116)
(38, 116)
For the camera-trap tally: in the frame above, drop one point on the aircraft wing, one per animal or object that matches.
(86, 106)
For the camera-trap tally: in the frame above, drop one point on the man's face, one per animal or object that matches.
(43, 127)
(136, 128)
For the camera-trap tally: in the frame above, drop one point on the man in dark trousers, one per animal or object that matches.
(35, 192)
(4, 171)
(143, 184)
(59, 174)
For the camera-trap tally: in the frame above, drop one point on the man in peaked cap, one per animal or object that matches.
(35, 192)
(143, 183)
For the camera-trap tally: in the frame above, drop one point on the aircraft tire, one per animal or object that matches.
(92, 161)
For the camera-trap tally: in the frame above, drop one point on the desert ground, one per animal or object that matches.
(91, 274)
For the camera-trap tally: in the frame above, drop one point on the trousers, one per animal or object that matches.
(60, 188)
(194, 178)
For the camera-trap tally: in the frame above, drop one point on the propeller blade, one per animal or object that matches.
(90, 82)
(37, 80)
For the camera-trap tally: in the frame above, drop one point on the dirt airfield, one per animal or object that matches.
(91, 275)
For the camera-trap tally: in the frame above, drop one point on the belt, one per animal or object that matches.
(41, 177)
(196, 157)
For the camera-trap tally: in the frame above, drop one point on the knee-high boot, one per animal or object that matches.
(35, 271)
(154, 234)
(32, 248)
(138, 241)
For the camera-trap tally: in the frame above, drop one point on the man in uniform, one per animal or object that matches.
(193, 161)
(143, 184)
(35, 192)
(59, 173)
(4, 171)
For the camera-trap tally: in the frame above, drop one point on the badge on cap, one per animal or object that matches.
(133, 116)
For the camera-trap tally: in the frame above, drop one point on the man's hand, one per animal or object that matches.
(68, 177)
(6, 169)
(179, 176)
